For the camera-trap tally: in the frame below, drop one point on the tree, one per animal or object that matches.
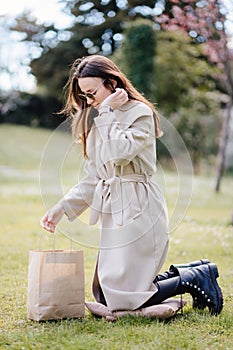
(184, 80)
(98, 28)
(180, 67)
(108, 19)
(139, 67)
(205, 21)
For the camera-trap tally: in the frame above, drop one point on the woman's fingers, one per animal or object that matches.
(122, 95)
(52, 217)
(117, 99)
(46, 224)
(43, 221)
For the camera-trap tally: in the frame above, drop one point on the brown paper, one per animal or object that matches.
(55, 285)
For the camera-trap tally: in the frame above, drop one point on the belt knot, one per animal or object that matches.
(112, 186)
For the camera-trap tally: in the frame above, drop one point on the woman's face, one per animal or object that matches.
(93, 90)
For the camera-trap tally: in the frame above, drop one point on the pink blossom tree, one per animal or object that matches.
(207, 22)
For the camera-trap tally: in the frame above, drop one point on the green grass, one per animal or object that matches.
(204, 232)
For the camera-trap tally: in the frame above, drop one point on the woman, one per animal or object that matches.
(118, 128)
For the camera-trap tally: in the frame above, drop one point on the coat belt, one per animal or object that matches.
(111, 187)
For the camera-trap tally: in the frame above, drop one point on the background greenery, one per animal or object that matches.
(169, 64)
(205, 232)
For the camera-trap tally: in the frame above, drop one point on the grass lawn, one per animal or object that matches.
(33, 178)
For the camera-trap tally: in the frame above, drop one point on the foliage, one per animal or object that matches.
(186, 92)
(108, 18)
(97, 28)
(180, 66)
(30, 109)
(206, 22)
(183, 83)
(40, 34)
(204, 233)
(139, 67)
(179, 80)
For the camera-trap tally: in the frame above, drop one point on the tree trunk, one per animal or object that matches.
(221, 158)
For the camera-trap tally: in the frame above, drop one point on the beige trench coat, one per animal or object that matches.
(127, 204)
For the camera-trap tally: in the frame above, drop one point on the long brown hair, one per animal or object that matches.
(77, 108)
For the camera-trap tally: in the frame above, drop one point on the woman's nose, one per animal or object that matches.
(89, 100)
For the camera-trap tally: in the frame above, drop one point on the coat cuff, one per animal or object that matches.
(69, 212)
(105, 109)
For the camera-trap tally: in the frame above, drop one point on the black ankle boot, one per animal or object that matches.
(174, 269)
(200, 282)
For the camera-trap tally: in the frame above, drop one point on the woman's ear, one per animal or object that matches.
(110, 84)
(114, 83)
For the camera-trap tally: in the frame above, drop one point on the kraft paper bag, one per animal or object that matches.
(55, 285)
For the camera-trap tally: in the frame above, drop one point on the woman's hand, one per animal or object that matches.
(52, 217)
(115, 100)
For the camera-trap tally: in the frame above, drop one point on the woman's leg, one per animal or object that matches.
(199, 281)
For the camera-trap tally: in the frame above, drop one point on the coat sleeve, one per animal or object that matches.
(79, 198)
(123, 141)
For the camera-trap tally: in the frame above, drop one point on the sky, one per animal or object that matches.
(45, 10)
(15, 53)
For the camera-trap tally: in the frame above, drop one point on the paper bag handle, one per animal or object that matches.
(54, 241)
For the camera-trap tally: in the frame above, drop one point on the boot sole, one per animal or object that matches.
(213, 271)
